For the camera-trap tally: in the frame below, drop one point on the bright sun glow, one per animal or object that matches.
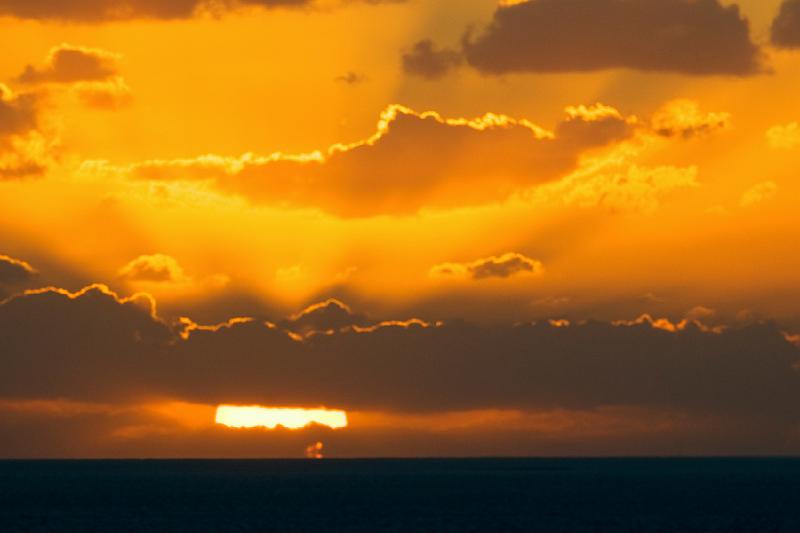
(272, 417)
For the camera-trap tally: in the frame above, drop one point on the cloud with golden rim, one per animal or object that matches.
(155, 268)
(695, 37)
(100, 347)
(15, 271)
(414, 160)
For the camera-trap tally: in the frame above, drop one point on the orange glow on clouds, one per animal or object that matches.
(272, 417)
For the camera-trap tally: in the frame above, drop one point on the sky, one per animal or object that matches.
(542, 227)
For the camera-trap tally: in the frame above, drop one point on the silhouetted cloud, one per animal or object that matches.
(414, 160)
(504, 266)
(99, 347)
(786, 26)
(426, 60)
(15, 271)
(70, 64)
(687, 36)
(325, 316)
(21, 143)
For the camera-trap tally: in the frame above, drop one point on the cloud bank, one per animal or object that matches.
(102, 348)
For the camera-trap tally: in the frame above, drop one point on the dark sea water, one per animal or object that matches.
(619, 495)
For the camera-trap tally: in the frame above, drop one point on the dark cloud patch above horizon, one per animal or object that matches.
(696, 37)
(102, 348)
(785, 31)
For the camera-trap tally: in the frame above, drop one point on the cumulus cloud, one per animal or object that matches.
(414, 160)
(157, 268)
(684, 118)
(69, 64)
(15, 271)
(786, 26)
(426, 60)
(693, 37)
(100, 347)
(759, 193)
(504, 266)
(92, 74)
(784, 137)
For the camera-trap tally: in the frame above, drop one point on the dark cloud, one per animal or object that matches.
(98, 347)
(683, 118)
(504, 266)
(786, 26)
(15, 271)
(71, 64)
(94, 11)
(325, 316)
(415, 160)
(687, 36)
(426, 60)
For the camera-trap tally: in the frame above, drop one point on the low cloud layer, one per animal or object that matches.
(100, 348)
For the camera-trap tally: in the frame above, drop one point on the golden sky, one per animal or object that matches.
(521, 227)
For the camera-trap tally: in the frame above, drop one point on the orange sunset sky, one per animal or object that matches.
(543, 227)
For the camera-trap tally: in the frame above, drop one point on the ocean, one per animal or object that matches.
(615, 495)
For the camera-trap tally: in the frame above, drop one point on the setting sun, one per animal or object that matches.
(272, 417)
